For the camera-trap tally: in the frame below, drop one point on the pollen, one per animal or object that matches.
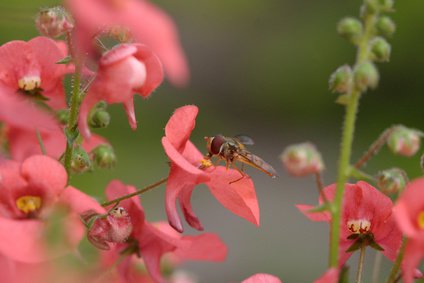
(420, 220)
(28, 83)
(28, 204)
(118, 212)
(205, 163)
(360, 226)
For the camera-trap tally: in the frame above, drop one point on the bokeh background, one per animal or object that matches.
(261, 68)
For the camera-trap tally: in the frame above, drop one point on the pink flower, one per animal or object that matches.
(409, 214)
(30, 192)
(147, 24)
(238, 197)
(262, 278)
(330, 276)
(152, 242)
(366, 215)
(30, 68)
(123, 71)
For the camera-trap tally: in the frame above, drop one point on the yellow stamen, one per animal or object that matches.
(359, 226)
(420, 220)
(29, 83)
(28, 204)
(205, 163)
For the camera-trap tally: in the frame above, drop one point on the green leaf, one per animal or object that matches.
(65, 60)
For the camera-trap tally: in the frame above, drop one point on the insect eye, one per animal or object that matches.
(216, 144)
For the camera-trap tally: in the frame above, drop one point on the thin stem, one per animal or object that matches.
(374, 148)
(396, 266)
(360, 264)
(320, 186)
(139, 192)
(40, 142)
(71, 130)
(346, 144)
(377, 267)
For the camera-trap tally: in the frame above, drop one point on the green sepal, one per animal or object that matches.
(376, 246)
(65, 60)
(343, 99)
(355, 246)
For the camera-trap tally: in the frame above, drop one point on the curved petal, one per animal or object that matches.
(180, 125)
(330, 276)
(207, 247)
(185, 203)
(79, 202)
(44, 172)
(129, 110)
(314, 216)
(89, 101)
(414, 251)
(262, 278)
(117, 53)
(401, 214)
(239, 197)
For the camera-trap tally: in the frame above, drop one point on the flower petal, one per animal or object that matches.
(207, 247)
(262, 278)
(239, 197)
(330, 276)
(180, 125)
(79, 202)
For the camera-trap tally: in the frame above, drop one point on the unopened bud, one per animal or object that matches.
(114, 227)
(350, 28)
(391, 181)
(104, 156)
(99, 117)
(366, 76)
(386, 5)
(53, 22)
(62, 116)
(341, 80)
(404, 141)
(80, 161)
(380, 49)
(302, 159)
(386, 26)
(369, 7)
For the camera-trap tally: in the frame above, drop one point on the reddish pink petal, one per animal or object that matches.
(180, 125)
(238, 197)
(129, 109)
(93, 142)
(118, 53)
(414, 252)
(192, 154)
(314, 216)
(154, 69)
(16, 57)
(389, 238)
(89, 101)
(45, 172)
(262, 278)
(208, 247)
(79, 202)
(185, 203)
(330, 276)
(403, 219)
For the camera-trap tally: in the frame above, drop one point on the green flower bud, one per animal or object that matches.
(404, 141)
(380, 49)
(366, 76)
(99, 117)
(369, 7)
(391, 181)
(63, 116)
(80, 161)
(53, 22)
(386, 5)
(385, 26)
(104, 156)
(302, 159)
(350, 28)
(341, 80)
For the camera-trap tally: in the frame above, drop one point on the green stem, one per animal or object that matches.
(71, 129)
(396, 266)
(347, 141)
(377, 267)
(40, 142)
(361, 264)
(148, 188)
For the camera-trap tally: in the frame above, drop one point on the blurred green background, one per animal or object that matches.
(261, 68)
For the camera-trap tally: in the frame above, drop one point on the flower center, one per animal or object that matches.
(420, 220)
(28, 204)
(205, 163)
(359, 226)
(118, 212)
(28, 83)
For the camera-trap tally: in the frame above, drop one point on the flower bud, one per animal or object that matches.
(53, 22)
(386, 26)
(114, 227)
(103, 156)
(63, 116)
(391, 181)
(404, 141)
(302, 159)
(80, 161)
(366, 76)
(386, 5)
(380, 49)
(369, 7)
(99, 117)
(350, 28)
(341, 80)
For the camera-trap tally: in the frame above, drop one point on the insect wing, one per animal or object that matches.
(246, 140)
(256, 162)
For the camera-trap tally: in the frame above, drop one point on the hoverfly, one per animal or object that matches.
(231, 149)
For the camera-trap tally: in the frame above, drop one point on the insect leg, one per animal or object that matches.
(241, 173)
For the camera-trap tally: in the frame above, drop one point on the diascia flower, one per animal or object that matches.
(330, 276)
(146, 23)
(123, 71)
(153, 241)
(31, 192)
(409, 214)
(262, 278)
(366, 216)
(238, 197)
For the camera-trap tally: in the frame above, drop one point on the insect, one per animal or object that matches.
(231, 149)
